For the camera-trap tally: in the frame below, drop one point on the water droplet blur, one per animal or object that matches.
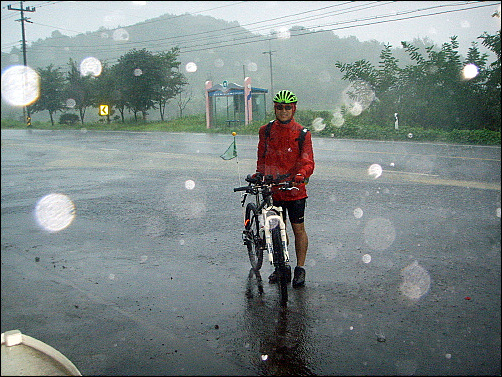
(111, 276)
(264, 357)
(379, 233)
(143, 258)
(375, 171)
(70, 103)
(20, 85)
(120, 35)
(358, 96)
(337, 119)
(252, 67)
(324, 77)
(318, 124)
(90, 67)
(498, 212)
(366, 258)
(416, 281)
(138, 72)
(283, 33)
(358, 213)
(191, 67)
(219, 63)
(410, 135)
(55, 212)
(182, 242)
(470, 71)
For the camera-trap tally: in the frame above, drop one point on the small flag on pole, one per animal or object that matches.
(231, 151)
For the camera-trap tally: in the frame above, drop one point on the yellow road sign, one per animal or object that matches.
(103, 109)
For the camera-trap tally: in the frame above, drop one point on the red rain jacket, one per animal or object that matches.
(283, 156)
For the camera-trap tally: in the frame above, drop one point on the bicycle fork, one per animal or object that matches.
(268, 237)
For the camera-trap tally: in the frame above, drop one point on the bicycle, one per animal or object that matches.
(264, 227)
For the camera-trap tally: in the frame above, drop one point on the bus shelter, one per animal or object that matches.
(230, 104)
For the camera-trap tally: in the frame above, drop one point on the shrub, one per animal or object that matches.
(69, 119)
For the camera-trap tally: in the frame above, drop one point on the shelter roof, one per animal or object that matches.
(232, 89)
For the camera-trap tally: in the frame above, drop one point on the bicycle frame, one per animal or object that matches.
(268, 214)
(269, 219)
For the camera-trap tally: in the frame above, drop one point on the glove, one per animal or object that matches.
(299, 178)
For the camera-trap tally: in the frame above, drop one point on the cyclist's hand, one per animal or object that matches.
(253, 178)
(299, 178)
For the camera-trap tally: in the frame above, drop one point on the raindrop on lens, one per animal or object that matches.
(120, 35)
(416, 281)
(375, 171)
(90, 67)
(20, 85)
(138, 72)
(358, 213)
(189, 184)
(410, 135)
(191, 67)
(55, 212)
(470, 71)
(379, 233)
(337, 119)
(70, 103)
(318, 124)
(366, 258)
(252, 67)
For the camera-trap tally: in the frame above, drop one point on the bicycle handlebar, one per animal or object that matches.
(267, 180)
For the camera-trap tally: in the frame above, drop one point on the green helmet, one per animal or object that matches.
(285, 96)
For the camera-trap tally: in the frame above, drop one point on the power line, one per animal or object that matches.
(187, 48)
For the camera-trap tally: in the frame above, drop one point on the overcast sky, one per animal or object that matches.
(467, 19)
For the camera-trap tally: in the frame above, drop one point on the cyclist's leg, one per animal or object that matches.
(296, 217)
(301, 243)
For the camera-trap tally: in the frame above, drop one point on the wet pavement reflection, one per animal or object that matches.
(279, 333)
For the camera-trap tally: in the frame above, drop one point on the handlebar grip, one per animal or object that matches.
(243, 188)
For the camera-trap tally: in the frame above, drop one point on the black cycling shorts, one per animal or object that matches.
(295, 209)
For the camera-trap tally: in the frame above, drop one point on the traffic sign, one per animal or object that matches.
(103, 110)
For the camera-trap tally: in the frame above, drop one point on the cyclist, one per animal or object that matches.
(279, 153)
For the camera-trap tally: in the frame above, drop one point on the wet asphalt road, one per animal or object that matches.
(151, 277)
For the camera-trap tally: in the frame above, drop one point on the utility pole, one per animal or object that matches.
(269, 52)
(26, 110)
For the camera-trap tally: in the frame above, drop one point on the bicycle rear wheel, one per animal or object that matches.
(252, 237)
(280, 264)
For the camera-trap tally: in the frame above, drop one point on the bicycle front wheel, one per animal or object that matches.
(252, 237)
(280, 265)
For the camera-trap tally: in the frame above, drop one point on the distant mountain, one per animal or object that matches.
(302, 61)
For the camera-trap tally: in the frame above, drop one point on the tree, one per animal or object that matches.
(146, 79)
(493, 84)
(80, 88)
(171, 81)
(52, 86)
(431, 91)
(106, 92)
(182, 100)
